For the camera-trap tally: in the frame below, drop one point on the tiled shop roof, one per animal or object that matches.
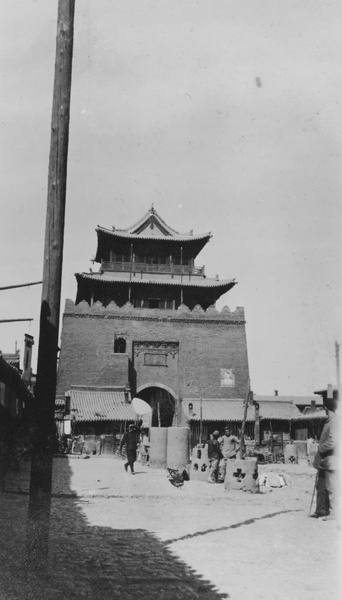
(273, 409)
(100, 405)
(222, 409)
(226, 409)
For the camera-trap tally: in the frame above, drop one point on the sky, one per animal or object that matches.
(223, 114)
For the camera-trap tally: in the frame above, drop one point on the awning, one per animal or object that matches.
(93, 404)
(218, 409)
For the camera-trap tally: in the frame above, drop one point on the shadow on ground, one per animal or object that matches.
(90, 562)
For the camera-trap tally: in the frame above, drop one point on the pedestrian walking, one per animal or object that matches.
(326, 463)
(230, 445)
(214, 455)
(130, 439)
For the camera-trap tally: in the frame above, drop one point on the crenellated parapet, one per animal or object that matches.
(128, 311)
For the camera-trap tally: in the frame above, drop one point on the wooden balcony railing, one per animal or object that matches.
(148, 268)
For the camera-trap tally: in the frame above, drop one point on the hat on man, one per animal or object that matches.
(216, 432)
(131, 426)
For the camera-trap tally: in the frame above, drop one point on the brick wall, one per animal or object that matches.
(207, 342)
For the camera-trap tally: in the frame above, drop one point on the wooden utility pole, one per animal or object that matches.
(338, 374)
(44, 436)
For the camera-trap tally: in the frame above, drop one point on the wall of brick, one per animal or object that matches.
(208, 341)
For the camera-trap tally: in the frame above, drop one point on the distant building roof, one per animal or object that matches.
(10, 375)
(94, 404)
(309, 416)
(297, 400)
(12, 359)
(222, 409)
(307, 400)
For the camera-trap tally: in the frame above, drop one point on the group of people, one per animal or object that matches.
(220, 450)
(226, 447)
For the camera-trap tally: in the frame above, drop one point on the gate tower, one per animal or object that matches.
(147, 321)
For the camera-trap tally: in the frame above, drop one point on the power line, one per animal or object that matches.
(13, 320)
(11, 287)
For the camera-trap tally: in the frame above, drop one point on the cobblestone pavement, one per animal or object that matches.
(117, 536)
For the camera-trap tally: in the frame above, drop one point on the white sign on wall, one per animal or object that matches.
(227, 378)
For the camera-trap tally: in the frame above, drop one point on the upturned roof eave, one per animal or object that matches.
(177, 237)
(204, 283)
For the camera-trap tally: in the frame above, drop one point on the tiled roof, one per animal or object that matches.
(156, 279)
(224, 409)
(307, 400)
(12, 359)
(100, 405)
(10, 375)
(152, 234)
(275, 409)
(154, 219)
(309, 416)
(297, 400)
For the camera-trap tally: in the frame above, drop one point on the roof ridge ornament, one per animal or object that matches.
(152, 209)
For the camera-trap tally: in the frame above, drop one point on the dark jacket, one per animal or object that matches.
(130, 438)
(214, 450)
(326, 458)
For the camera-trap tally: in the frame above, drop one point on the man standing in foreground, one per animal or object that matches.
(326, 462)
(214, 455)
(130, 438)
(230, 445)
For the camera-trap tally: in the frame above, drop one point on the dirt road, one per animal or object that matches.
(240, 545)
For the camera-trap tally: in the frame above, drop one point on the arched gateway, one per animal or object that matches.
(162, 401)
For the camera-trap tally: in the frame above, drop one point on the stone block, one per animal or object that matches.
(242, 475)
(291, 454)
(200, 464)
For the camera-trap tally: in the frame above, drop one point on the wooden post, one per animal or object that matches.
(181, 265)
(130, 274)
(44, 436)
(243, 424)
(201, 422)
(257, 424)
